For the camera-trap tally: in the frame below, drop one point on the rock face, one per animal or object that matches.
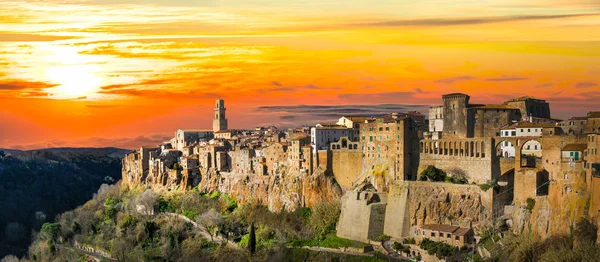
(282, 191)
(409, 205)
(414, 204)
(286, 189)
(554, 213)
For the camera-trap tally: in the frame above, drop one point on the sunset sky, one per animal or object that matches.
(130, 72)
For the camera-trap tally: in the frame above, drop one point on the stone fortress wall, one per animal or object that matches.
(411, 204)
(471, 157)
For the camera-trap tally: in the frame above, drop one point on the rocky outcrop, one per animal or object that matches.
(285, 189)
(444, 203)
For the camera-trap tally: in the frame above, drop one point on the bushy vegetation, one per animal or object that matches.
(136, 224)
(530, 204)
(434, 174)
(490, 184)
(439, 249)
(38, 185)
(579, 245)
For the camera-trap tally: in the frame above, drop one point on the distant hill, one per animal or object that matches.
(36, 185)
(106, 151)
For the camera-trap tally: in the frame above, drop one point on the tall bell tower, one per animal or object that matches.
(219, 121)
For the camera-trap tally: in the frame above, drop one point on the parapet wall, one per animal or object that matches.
(346, 166)
(459, 157)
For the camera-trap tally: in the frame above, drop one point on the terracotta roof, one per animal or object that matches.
(575, 147)
(525, 124)
(578, 118)
(538, 124)
(461, 231)
(195, 130)
(357, 118)
(331, 126)
(441, 228)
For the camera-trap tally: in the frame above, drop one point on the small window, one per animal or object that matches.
(432, 234)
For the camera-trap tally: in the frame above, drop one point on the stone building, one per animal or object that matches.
(456, 116)
(322, 134)
(574, 125)
(352, 122)
(451, 235)
(436, 121)
(389, 146)
(531, 107)
(296, 154)
(489, 119)
(186, 137)
(592, 163)
(275, 154)
(220, 120)
(464, 120)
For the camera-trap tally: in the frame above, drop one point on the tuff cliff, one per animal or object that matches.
(287, 189)
(409, 205)
(284, 190)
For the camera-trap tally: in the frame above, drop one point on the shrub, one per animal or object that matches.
(50, 231)
(215, 195)
(164, 205)
(324, 217)
(401, 248)
(433, 174)
(530, 204)
(487, 186)
(410, 241)
(439, 249)
(382, 237)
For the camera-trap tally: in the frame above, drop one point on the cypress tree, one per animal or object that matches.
(252, 240)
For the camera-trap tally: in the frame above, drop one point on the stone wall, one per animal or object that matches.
(469, 157)
(362, 215)
(412, 204)
(346, 166)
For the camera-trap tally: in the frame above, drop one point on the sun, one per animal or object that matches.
(74, 74)
(74, 81)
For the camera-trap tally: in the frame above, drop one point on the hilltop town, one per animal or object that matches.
(447, 176)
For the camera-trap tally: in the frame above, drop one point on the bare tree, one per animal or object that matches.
(10, 258)
(210, 220)
(145, 202)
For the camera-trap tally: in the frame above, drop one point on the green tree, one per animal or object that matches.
(50, 231)
(324, 217)
(433, 174)
(252, 241)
